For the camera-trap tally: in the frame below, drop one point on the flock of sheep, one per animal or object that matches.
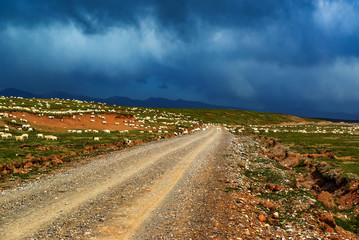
(307, 128)
(147, 120)
(25, 127)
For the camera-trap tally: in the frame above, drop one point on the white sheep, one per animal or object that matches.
(4, 136)
(40, 135)
(96, 138)
(19, 138)
(50, 137)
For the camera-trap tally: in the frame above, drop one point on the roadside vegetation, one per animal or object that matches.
(323, 157)
(341, 139)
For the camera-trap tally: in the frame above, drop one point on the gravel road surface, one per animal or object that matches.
(153, 191)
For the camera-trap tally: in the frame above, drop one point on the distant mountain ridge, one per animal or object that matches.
(179, 103)
(116, 100)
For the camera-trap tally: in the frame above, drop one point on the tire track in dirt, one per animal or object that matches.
(141, 209)
(51, 209)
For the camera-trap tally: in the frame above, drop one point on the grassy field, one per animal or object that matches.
(238, 117)
(15, 151)
(312, 139)
(152, 124)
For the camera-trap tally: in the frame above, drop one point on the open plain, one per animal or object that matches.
(82, 170)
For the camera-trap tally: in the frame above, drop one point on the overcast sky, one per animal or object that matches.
(266, 55)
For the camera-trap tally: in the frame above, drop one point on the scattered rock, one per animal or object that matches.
(262, 218)
(275, 215)
(268, 204)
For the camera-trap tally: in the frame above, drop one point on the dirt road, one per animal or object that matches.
(153, 191)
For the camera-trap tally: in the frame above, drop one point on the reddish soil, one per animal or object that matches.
(63, 123)
(325, 182)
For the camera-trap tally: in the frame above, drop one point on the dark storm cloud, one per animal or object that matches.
(264, 55)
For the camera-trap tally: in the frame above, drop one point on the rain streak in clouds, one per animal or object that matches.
(297, 57)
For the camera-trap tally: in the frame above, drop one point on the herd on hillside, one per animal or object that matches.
(145, 117)
(42, 108)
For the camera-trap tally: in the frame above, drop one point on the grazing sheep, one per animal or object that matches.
(117, 123)
(4, 136)
(106, 131)
(25, 136)
(104, 122)
(92, 120)
(40, 135)
(127, 142)
(30, 129)
(96, 138)
(19, 138)
(50, 137)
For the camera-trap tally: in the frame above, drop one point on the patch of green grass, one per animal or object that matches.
(287, 195)
(351, 224)
(230, 189)
(233, 117)
(269, 175)
(342, 145)
(11, 151)
(270, 161)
